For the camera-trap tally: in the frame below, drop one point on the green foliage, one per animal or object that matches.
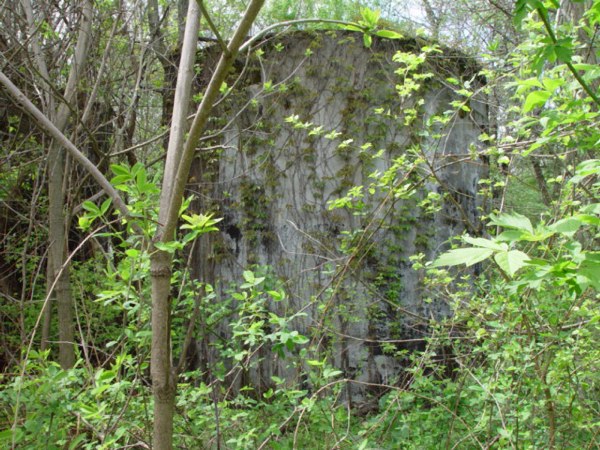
(522, 370)
(75, 409)
(369, 25)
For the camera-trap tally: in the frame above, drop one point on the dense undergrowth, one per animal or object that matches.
(514, 366)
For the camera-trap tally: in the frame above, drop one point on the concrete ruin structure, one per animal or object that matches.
(319, 115)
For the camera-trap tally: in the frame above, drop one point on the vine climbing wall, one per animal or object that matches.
(335, 165)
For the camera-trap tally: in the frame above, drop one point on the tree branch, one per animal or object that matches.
(212, 26)
(168, 216)
(45, 124)
(569, 64)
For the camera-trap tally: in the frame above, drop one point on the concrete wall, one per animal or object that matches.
(272, 184)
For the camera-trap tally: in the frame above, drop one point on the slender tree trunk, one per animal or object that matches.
(57, 236)
(47, 311)
(56, 199)
(57, 256)
(163, 377)
(179, 158)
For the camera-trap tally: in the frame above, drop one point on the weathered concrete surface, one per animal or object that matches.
(273, 182)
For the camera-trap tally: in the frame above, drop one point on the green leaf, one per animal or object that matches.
(370, 16)
(251, 279)
(201, 223)
(74, 444)
(353, 28)
(513, 220)
(169, 247)
(466, 256)
(276, 295)
(118, 169)
(485, 243)
(551, 84)
(585, 169)
(84, 222)
(523, 7)
(367, 40)
(536, 99)
(511, 261)
(389, 34)
(592, 208)
(248, 276)
(105, 205)
(315, 363)
(511, 236)
(568, 226)
(590, 268)
(120, 179)
(91, 207)
(132, 253)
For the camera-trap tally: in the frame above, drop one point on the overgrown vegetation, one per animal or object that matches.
(514, 364)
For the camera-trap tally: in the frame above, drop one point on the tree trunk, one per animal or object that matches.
(47, 310)
(161, 367)
(179, 158)
(57, 256)
(56, 199)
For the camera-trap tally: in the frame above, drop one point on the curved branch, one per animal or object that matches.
(290, 23)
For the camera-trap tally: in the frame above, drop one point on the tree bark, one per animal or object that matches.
(179, 158)
(57, 256)
(58, 222)
(161, 366)
(55, 120)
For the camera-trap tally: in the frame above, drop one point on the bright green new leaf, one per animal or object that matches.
(466, 256)
(388, 34)
(485, 243)
(132, 252)
(551, 84)
(370, 17)
(536, 99)
(200, 223)
(353, 28)
(84, 222)
(513, 220)
(511, 261)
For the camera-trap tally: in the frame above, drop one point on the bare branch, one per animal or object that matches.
(181, 102)
(212, 26)
(45, 124)
(168, 217)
